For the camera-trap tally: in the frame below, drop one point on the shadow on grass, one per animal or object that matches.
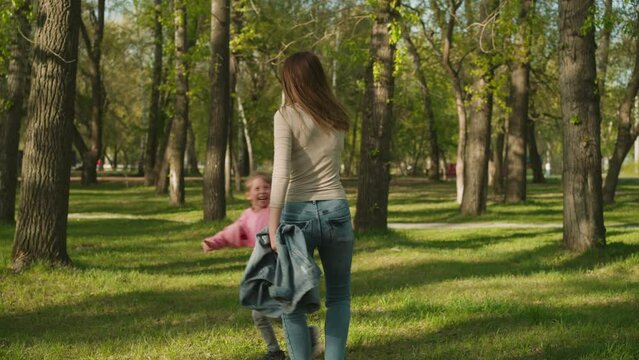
(129, 316)
(518, 263)
(514, 331)
(87, 230)
(158, 247)
(233, 262)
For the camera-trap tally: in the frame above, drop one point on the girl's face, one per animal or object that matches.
(259, 194)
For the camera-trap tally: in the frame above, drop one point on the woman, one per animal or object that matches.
(306, 191)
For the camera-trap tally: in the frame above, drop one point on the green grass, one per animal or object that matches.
(142, 289)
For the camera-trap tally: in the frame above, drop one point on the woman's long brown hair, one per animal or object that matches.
(305, 85)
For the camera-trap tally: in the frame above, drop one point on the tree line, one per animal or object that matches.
(471, 85)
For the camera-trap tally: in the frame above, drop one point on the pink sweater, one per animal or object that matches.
(242, 232)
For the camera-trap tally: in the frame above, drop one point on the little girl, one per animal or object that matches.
(242, 234)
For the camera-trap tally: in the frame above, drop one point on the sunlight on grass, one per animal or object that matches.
(142, 289)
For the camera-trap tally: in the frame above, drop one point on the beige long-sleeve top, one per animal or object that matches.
(306, 160)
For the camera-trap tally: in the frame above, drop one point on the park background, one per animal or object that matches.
(489, 165)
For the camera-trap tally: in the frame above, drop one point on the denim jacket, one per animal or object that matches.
(277, 283)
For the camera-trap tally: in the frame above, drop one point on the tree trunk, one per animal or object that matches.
(461, 144)
(114, 162)
(447, 30)
(348, 168)
(177, 138)
(496, 164)
(161, 169)
(433, 169)
(352, 163)
(228, 190)
(140, 168)
(374, 175)
(533, 153)
(154, 108)
(626, 132)
(229, 159)
(583, 208)
(477, 149)
(11, 117)
(603, 47)
(245, 133)
(191, 154)
(519, 91)
(41, 231)
(94, 49)
(213, 182)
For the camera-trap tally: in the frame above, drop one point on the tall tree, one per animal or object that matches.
(161, 169)
(191, 154)
(433, 170)
(248, 146)
(496, 162)
(11, 117)
(447, 20)
(41, 231)
(518, 119)
(154, 108)
(177, 138)
(603, 47)
(213, 186)
(533, 152)
(478, 131)
(626, 131)
(581, 117)
(98, 98)
(374, 176)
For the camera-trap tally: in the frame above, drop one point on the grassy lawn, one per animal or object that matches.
(142, 289)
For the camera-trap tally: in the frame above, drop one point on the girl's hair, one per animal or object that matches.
(305, 85)
(249, 181)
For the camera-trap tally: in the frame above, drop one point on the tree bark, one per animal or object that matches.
(533, 153)
(478, 135)
(374, 173)
(94, 49)
(229, 159)
(191, 155)
(519, 90)
(583, 205)
(213, 182)
(11, 117)
(154, 108)
(246, 135)
(447, 27)
(177, 138)
(41, 230)
(496, 163)
(626, 132)
(433, 169)
(603, 47)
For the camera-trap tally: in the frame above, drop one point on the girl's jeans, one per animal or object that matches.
(326, 225)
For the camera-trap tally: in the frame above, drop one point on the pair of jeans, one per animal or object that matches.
(326, 225)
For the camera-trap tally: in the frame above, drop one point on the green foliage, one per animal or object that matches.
(395, 31)
(5, 34)
(590, 21)
(575, 120)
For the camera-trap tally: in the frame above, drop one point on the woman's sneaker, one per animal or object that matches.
(274, 355)
(316, 344)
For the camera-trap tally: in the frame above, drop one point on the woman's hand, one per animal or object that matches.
(271, 237)
(273, 224)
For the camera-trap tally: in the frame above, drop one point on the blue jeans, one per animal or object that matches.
(327, 226)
